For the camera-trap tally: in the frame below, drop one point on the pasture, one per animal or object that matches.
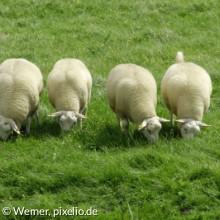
(121, 177)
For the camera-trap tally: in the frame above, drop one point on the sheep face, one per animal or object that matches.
(7, 126)
(190, 128)
(151, 128)
(67, 119)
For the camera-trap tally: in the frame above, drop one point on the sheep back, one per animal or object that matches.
(69, 85)
(131, 92)
(21, 85)
(186, 89)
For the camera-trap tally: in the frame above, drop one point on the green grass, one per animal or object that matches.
(121, 177)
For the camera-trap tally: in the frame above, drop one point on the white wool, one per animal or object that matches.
(21, 86)
(69, 87)
(186, 89)
(132, 94)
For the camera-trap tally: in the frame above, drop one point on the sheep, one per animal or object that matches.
(186, 89)
(21, 84)
(131, 92)
(69, 87)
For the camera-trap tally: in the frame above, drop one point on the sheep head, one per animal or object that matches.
(7, 126)
(190, 127)
(67, 119)
(151, 127)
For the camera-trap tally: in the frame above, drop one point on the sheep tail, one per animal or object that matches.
(179, 57)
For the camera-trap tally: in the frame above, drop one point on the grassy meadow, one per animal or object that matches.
(122, 177)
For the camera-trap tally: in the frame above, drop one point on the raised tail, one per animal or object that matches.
(179, 57)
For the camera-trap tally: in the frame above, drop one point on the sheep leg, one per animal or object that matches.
(119, 121)
(84, 112)
(36, 118)
(126, 126)
(79, 121)
(171, 118)
(28, 125)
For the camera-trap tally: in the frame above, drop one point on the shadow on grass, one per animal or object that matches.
(105, 136)
(169, 132)
(45, 128)
(110, 136)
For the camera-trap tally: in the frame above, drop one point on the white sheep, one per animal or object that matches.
(21, 84)
(131, 91)
(69, 87)
(186, 89)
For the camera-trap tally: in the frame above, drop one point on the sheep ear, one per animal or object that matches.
(181, 121)
(56, 114)
(163, 120)
(142, 125)
(14, 127)
(199, 123)
(78, 115)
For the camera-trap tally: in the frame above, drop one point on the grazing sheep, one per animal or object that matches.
(132, 94)
(186, 89)
(21, 84)
(69, 86)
